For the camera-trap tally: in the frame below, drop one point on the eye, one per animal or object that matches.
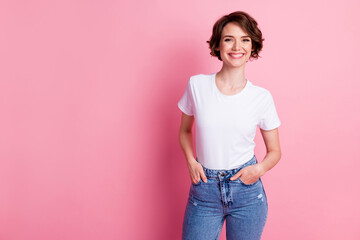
(227, 39)
(246, 40)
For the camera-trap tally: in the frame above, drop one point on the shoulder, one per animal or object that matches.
(260, 92)
(198, 79)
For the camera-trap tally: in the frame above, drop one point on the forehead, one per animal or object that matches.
(233, 29)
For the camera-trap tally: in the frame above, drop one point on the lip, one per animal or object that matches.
(236, 55)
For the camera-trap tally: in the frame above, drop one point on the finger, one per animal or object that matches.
(235, 177)
(196, 178)
(203, 176)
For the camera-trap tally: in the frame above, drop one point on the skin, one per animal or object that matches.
(231, 80)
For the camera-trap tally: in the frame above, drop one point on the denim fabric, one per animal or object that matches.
(244, 206)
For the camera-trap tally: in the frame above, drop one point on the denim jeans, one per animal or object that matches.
(244, 206)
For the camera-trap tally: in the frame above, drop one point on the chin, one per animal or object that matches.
(235, 65)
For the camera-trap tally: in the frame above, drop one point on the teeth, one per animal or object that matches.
(237, 54)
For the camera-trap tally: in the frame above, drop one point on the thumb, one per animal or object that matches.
(237, 175)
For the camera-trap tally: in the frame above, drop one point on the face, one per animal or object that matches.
(235, 46)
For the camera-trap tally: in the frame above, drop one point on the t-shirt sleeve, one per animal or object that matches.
(186, 102)
(269, 118)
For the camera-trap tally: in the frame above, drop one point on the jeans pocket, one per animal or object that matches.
(251, 184)
(198, 183)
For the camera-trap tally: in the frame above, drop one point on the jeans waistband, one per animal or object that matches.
(215, 173)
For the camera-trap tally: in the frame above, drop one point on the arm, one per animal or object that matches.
(185, 137)
(186, 143)
(273, 152)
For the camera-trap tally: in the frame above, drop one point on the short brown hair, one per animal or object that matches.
(247, 23)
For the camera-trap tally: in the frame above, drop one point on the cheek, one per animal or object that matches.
(224, 47)
(249, 48)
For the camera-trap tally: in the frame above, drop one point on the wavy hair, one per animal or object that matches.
(247, 23)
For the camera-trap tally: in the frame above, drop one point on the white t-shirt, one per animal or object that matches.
(226, 124)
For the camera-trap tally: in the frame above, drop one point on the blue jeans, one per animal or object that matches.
(244, 206)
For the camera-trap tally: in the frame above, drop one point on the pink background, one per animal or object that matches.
(89, 119)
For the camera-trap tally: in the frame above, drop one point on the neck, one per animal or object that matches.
(232, 76)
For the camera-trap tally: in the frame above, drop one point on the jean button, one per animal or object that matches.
(223, 174)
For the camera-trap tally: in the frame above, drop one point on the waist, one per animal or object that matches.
(214, 173)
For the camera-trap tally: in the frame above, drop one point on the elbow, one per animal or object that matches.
(278, 152)
(185, 130)
(275, 152)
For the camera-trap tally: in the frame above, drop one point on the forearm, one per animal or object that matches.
(270, 160)
(186, 143)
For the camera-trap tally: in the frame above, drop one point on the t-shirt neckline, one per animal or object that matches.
(228, 96)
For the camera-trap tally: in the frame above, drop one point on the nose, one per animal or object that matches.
(237, 45)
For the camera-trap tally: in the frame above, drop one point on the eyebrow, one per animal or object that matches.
(233, 36)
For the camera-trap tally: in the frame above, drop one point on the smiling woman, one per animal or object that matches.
(246, 23)
(227, 108)
(235, 45)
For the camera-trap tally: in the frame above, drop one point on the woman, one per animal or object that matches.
(227, 107)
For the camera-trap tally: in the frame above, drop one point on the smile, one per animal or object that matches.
(236, 55)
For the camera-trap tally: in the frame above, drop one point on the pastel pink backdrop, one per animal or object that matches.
(89, 119)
